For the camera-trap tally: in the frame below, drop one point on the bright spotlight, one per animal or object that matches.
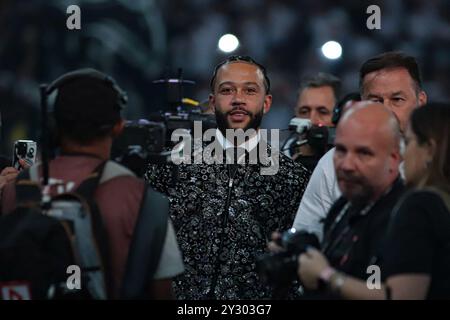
(228, 43)
(332, 50)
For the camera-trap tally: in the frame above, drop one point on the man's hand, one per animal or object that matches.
(273, 245)
(9, 174)
(311, 264)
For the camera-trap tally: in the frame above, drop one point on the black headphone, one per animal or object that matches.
(49, 131)
(92, 74)
(337, 111)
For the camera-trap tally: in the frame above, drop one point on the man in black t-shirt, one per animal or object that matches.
(366, 159)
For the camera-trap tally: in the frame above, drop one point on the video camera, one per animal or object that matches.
(280, 269)
(319, 138)
(149, 140)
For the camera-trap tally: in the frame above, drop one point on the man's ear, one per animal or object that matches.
(118, 128)
(431, 148)
(267, 102)
(212, 102)
(422, 98)
(396, 158)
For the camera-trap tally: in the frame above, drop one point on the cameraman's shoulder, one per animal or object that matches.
(116, 176)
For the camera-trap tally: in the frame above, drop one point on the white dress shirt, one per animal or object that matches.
(248, 145)
(322, 191)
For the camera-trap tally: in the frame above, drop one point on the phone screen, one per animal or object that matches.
(24, 149)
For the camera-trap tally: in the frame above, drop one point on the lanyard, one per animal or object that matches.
(329, 243)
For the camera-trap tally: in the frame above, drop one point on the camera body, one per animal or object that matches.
(143, 141)
(24, 149)
(317, 139)
(140, 142)
(149, 141)
(280, 269)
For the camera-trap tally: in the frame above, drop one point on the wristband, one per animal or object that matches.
(326, 274)
(336, 282)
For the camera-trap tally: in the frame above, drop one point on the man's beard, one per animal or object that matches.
(362, 190)
(222, 119)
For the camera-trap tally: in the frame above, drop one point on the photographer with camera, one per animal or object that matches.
(322, 190)
(316, 99)
(87, 116)
(414, 260)
(366, 159)
(392, 78)
(224, 213)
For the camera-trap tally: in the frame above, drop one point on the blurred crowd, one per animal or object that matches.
(141, 41)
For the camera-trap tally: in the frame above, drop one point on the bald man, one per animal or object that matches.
(391, 78)
(367, 154)
(366, 160)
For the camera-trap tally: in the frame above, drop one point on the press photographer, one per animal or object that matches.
(366, 159)
(81, 192)
(309, 140)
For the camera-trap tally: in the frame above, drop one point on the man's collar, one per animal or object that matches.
(248, 145)
(396, 185)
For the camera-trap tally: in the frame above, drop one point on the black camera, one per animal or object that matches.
(280, 269)
(140, 142)
(150, 141)
(179, 112)
(319, 139)
(144, 141)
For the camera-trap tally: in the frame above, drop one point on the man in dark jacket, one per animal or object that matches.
(224, 213)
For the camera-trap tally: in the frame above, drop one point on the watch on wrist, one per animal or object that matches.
(326, 274)
(336, 282)
(324, 277)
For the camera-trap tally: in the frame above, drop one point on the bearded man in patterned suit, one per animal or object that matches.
(224, 213)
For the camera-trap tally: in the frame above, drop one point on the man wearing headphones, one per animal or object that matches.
(87, 114)
(316, 98)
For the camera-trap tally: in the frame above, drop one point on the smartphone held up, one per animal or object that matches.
(26, 150)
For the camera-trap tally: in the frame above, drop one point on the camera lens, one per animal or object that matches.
(280, 269)
(22, 149)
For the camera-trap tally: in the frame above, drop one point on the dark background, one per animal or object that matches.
(138, 41)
